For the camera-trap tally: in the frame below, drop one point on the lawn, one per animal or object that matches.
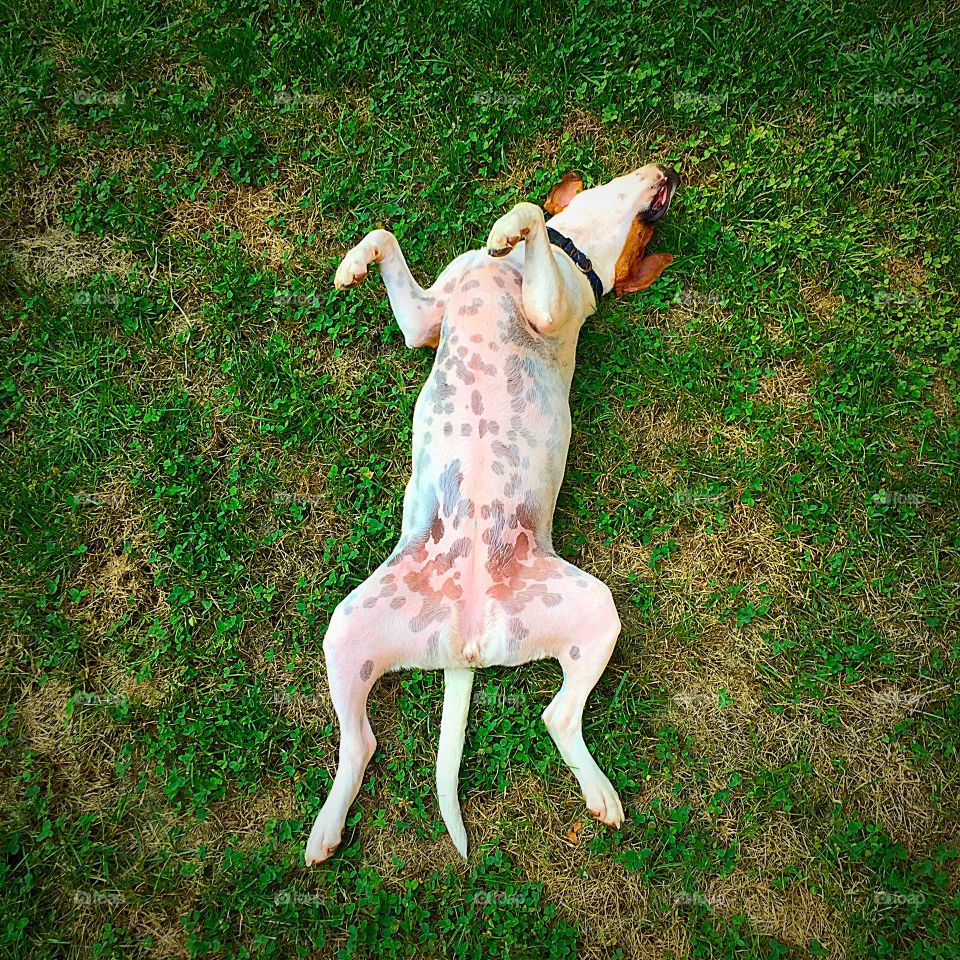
(204, 448)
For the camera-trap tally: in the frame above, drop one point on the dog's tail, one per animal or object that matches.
(453, 726)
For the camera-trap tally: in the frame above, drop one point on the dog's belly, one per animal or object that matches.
(491, 433)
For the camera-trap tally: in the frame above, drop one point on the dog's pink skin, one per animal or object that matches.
(474, 580)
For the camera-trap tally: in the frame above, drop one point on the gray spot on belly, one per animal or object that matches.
(517, 634)
(366, 671)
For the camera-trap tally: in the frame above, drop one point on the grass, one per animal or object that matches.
(204, 448)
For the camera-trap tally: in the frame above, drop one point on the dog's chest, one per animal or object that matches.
(492, 424)
(497, 387)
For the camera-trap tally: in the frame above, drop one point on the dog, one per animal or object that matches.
(474, 580)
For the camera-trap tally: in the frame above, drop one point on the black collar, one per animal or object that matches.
(580, 259)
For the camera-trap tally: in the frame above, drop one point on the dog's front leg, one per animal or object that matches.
(418, 312)
(552, 294)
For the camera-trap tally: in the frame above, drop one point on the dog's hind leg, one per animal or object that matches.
(352, 669)
(396, 618)
(580, 628)
(368, 635)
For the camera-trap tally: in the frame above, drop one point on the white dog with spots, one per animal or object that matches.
(474, 580)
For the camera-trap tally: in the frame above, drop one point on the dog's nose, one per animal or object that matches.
(673, 178)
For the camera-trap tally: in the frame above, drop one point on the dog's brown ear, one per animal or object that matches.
(562, 193)
(636, 270)
(650, 268)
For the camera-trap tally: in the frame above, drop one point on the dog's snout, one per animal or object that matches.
(673, 178)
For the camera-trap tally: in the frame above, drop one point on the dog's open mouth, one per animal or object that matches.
(660, 203)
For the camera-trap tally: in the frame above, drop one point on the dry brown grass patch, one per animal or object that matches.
(531, 821)
(115, 570)
(907, 270)
(346, 367)
(656, 432)
(59, 255)
(850, 758)
(793, 914)
(747, 549)
(944, 395)
(267, 218)
(821, 301)
(41, 245)
(84, 749)
(789, 385)
(41, 712)
(164, 930)
(37, 202)
(615, 562)
(241, 821)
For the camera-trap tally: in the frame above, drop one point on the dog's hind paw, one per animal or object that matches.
(603, 802)
(323, 842)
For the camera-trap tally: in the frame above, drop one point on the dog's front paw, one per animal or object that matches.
(513, 227)
(355, 265)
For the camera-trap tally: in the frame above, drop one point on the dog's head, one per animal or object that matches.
(613, 223)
